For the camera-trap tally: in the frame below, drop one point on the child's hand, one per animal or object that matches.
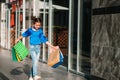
(16, 41)
(54, 48)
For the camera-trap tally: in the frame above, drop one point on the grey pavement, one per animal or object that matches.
(10, 70)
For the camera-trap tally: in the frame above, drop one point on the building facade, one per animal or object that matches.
(87, 32)
(105, 51)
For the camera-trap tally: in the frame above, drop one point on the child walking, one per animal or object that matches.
(37, 37)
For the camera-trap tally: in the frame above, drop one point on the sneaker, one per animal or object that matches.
(37, 78)
(30, 78)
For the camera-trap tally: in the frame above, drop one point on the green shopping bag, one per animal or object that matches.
(21, 50)
(14, 58)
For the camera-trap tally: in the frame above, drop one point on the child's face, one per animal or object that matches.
(37, 25)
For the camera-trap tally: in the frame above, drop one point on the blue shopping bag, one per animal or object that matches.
(61, 60)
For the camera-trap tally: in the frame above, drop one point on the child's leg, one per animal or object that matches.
(35, 53)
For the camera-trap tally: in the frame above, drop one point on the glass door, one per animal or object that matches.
(60, 26)
(79, 36)
(85, 39)
(55, 16)
(44, 15)
(73, 35)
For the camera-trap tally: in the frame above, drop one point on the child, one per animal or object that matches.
(36, 38)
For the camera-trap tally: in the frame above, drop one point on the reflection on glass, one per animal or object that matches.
(60, 26)
(86, 39)
(74, 35)
(44, 52)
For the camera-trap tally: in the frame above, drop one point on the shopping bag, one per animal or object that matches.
(14, 58)
(21, 50)
(18, 58)
(60, 61)
(55, 58)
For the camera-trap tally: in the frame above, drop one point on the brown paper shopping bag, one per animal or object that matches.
(53, 58)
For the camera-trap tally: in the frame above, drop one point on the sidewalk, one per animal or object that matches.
(20, 70)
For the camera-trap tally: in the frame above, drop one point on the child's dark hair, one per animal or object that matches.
(34, 19)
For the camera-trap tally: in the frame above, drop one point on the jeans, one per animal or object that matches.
(35, 54)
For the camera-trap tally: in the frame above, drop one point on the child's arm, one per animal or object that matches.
(19, 38)
(53, 47)
(25, 34)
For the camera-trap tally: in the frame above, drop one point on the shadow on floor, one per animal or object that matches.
(16, 71)
(3, 77)
(96, 78)
(20, 70)
(92, 77)
(26, 69)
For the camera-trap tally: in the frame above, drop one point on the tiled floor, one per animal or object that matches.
(20, 70)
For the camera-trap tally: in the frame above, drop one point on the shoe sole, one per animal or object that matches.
(38, 79)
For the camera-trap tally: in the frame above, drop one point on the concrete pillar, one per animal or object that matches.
(24, 13)
(3, 30)
(36, 8)
(8, 26)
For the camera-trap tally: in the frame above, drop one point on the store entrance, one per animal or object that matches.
(60, 26)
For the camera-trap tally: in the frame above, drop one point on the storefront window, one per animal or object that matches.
(85, 40)
(74, 22)
(80, 37)
(60, 26)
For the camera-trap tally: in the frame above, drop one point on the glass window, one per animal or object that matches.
(60, 26)
(85, 40)
(73, 35)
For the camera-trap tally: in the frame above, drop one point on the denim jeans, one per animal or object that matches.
(35, 54)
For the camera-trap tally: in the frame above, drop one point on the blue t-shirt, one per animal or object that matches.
(36, 36)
